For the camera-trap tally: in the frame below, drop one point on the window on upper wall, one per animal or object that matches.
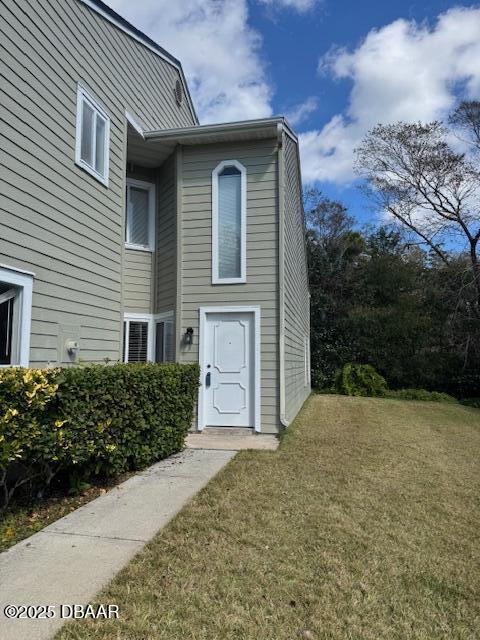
(92, 136)
(229, 222)
(140, 222)
(15, 317)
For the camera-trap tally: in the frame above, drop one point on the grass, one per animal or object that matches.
(363, 525)
(25, 517)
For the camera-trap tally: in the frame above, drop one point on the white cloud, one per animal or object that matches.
(299, 5)
(300, 112)
(403, 71)
(219, 51)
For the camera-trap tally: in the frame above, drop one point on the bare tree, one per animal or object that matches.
(465, 120)
(413, 173)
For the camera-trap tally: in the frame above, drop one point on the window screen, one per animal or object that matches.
(229, 223)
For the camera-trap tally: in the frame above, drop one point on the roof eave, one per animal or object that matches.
(269, 126)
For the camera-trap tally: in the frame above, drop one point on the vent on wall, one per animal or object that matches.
(178, 92)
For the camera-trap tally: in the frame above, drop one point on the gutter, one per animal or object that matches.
(265, 125)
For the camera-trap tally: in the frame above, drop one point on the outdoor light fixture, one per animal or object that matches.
(188, 338)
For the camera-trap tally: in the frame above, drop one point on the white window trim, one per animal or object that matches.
(150, 187)
(243, 223)
(24, 281)
(83, 95)
(256, 311)
(151, 319)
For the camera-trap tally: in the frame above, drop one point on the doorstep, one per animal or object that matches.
(231, 439)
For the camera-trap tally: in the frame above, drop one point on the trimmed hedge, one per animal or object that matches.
(364, 380)
(421, 394)
(94, 420)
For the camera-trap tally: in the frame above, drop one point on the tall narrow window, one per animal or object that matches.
(92, 137)
(164, 345)
(140, 224)
(229, 223)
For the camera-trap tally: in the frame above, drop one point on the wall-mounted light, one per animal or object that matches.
(188, 337)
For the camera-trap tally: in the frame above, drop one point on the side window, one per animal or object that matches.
(140, 216)
(164, 341)
(135, 341)
(229, 220)
(148, 338)
(15, 317)
(92, 137)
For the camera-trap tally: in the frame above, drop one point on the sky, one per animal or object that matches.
(334, 68)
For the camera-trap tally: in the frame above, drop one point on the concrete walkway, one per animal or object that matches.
(71, 560)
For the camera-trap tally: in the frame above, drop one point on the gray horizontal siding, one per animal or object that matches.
(55, 219)
(138, 281)
(296, 292)
(166, 239)
(261, 288)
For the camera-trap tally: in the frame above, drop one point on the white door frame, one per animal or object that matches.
(203, 311)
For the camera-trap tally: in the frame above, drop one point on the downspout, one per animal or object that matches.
(281, 271)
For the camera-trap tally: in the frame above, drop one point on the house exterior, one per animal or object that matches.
(130, 232)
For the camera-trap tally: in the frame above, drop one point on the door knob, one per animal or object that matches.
(207, 379)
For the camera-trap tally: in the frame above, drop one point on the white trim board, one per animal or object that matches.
(256, 310)
(24, 282)
(243, 223)
(133, 122)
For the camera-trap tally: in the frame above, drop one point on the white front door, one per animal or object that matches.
(228, 369)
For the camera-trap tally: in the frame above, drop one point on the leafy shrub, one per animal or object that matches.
(90, 420)
(471, 402)
(360, 380)
(27, 433)
(421, 394)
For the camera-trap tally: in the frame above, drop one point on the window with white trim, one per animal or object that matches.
(92, 136)
(148, 338)
(140, 215)
(229, 221)
(15, 317)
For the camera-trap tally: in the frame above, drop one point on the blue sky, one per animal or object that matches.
(334, 67)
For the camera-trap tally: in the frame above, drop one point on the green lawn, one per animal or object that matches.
(364, 524)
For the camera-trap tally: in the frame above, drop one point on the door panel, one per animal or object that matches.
(229, 369)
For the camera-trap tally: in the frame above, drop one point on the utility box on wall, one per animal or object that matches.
(68, 344)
